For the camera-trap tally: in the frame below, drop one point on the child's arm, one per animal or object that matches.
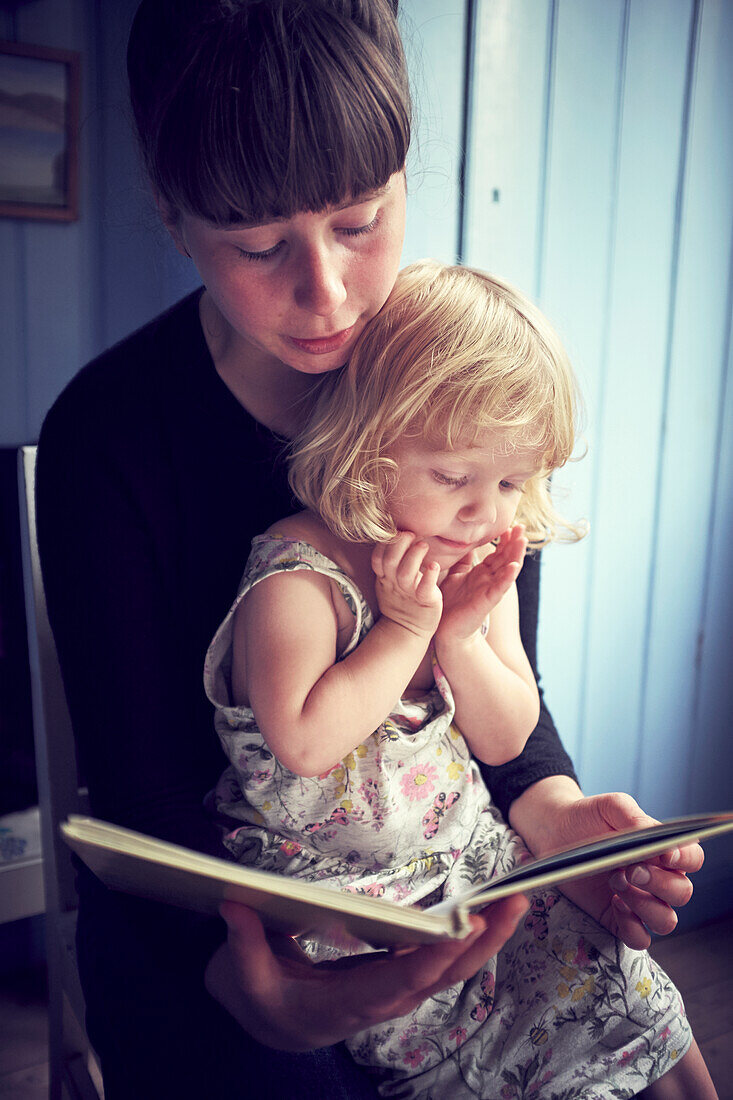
(497, 702)
(311, 709)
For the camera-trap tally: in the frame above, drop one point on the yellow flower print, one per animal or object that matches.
(454, 769)
(348, 761)
(361, 751)
(347, 805)
(338, 774)
(455, 732)
(568, 972)
(644, 988)
(267, 806)
(563, 990)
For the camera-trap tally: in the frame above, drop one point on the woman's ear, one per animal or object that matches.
(171, 219)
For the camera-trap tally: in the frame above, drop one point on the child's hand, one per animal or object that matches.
(470, 592)
(407, 586)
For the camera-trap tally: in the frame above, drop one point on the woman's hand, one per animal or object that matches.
(471, 592)
(631, 902)
(286, 1002)
(407, 585)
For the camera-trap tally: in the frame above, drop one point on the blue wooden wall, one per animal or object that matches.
(599, 177)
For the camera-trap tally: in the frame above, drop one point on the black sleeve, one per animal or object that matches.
(139, 741)
(115, 628)
(543, 755)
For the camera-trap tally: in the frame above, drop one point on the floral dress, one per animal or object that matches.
(564, 1010)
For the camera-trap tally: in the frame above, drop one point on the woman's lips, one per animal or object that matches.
(323, 344)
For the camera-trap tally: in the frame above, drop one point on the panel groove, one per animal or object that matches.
(651, 591)
(584, 703)
(545, 154)
(469, 59)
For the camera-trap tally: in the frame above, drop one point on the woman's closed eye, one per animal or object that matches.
(267, 254)
(345, 231)
(360, 230)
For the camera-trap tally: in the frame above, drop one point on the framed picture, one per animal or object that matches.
(39, 132)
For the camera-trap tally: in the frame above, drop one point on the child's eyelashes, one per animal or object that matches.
(446, 479)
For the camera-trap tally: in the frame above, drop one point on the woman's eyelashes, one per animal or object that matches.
(346, 231)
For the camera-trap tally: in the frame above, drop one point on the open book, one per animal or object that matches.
(138, 864)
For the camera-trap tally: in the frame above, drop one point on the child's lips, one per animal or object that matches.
(453, 544)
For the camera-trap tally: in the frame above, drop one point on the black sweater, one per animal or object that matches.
(151, 481)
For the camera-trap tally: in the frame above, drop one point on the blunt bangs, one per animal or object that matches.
(312, 111)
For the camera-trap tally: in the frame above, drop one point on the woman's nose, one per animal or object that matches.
(320, 286)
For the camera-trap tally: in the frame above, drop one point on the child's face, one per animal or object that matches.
(300, 290)
(458, 500)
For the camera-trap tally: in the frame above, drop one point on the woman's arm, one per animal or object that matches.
(539, 794)
(312, 709)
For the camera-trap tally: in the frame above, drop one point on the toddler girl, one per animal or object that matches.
(373, 651)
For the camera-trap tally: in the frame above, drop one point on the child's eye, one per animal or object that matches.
(266, 255)
(446, 479)
(510, 487)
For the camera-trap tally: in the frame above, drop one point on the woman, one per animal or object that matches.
(274, 134)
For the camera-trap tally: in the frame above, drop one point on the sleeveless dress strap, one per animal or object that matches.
(272, 554)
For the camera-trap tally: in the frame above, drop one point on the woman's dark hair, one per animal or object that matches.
(256, 109)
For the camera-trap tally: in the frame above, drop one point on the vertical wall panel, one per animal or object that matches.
(698, 362)
(579, 223)
(628, 447)
(140, 271)
(507, 141)
(434, 33)
(55, 293)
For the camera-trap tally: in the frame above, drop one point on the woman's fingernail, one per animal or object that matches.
(673, 857)
(618, 881)
(640, 876)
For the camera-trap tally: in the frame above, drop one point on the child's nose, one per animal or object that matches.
(480, 509)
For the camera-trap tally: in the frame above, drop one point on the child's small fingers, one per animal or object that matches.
(394, 551)
(408, 570)
(427, 585)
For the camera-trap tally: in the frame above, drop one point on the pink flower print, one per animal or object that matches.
(459, 1034)
(418, 783)
(486, 1000)
(581, 955)
(414, 1057)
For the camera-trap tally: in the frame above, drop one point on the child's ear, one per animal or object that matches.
(171, 219)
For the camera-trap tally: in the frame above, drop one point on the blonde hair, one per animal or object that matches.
(453, 352)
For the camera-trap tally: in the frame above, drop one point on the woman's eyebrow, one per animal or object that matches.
(255, 223)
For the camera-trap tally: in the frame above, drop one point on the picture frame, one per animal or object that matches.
(39, 132)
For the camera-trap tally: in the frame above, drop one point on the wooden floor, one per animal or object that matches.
(700, 962)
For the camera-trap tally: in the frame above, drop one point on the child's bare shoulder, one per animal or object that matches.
(307, 527)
